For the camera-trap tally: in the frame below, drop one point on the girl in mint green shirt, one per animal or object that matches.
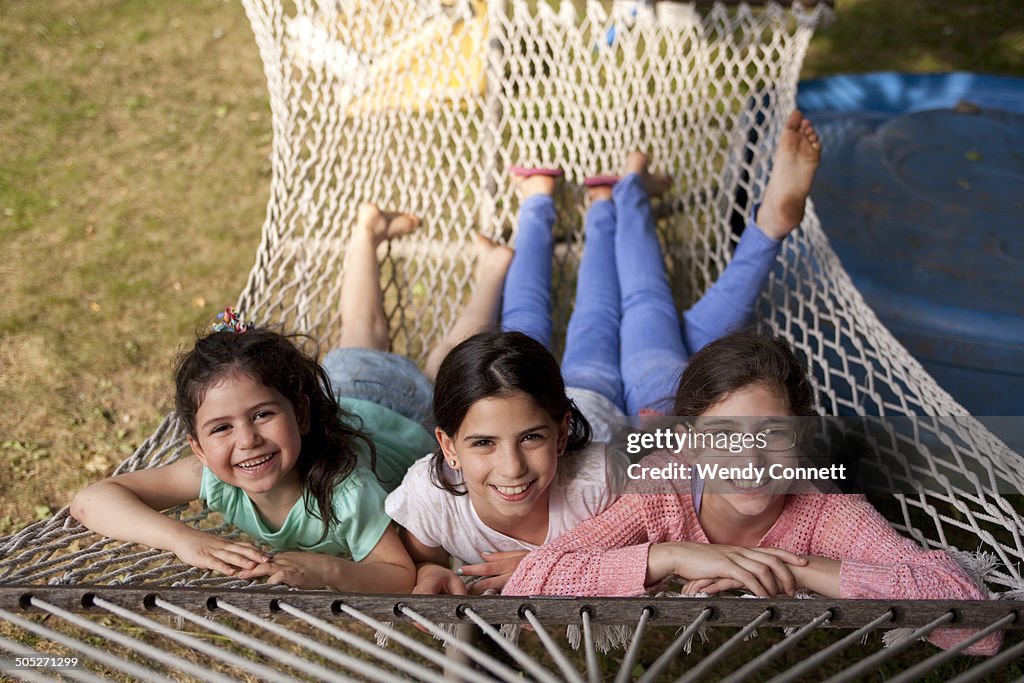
(280, 456)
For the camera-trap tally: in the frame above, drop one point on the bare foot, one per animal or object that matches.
(793, 167)
(531, 185)
(379, 226)
(656, 183)
(492, 258)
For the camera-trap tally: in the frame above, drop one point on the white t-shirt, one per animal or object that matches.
(604, 417)
(586, 483)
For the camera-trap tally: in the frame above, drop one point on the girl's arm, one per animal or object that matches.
(497, 567)
(606, 555)
(433, 575)
(631, 546)
(127, 508)
(766, 572)
(875, 562)
(387, 569)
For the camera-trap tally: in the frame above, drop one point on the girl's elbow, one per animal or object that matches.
(987, 646)
(408, 580)
(79, 508)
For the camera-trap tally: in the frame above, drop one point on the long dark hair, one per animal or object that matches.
(738, 360)
(287, 363)
(497, 364)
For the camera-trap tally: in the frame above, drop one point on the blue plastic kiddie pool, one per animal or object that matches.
(921, 193)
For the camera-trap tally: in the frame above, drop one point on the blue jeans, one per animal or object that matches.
(383, 377)
(652, 354)
(624, 340)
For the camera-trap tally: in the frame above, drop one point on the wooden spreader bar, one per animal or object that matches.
(730, 611)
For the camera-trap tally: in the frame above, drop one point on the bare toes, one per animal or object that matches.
(398, 224)
(636, 162)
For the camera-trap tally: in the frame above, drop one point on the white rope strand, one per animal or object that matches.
(865, 665)
(527, 662)
(549, 644)
(7, 668)
(310, 645)
(626, 668)
(593, 673)
(777, 649)
(709, 662)
(416, 646)
(672, 650)
(190, 641)
(89, 651)
(263, 648)
(993, 663)
(814, 661)
(917, 672)
(370, 648)
(475, 653)
(166, 658)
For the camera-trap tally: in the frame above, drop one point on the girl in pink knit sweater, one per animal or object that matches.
(833, 544)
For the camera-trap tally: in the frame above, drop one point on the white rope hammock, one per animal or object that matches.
(423, 105)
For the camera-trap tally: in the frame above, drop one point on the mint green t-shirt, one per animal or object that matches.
(400, 441)
(358, 499)
(358, 506)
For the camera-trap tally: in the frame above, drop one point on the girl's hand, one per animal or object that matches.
(208, 551)
(762, 571)
(819, 574)
(710, 586)
(433, 579)
(498, 568)
(306, 570)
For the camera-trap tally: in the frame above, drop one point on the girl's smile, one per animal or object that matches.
(513, 493)
(249, 436)
(507, 450)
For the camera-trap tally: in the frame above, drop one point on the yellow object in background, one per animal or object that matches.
(383, 63)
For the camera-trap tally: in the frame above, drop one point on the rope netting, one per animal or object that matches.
(423, 105)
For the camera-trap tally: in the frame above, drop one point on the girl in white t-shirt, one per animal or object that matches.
(515, 468)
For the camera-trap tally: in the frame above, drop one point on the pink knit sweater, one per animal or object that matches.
(607, 555)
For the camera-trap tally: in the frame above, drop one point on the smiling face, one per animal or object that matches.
(744, 503)
(249, 435)
(507, 449)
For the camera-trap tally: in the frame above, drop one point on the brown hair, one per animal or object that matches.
(331, 447)
(498, 364)
(738, 360)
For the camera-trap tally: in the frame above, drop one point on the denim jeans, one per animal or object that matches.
(624, 340)
(383, 377)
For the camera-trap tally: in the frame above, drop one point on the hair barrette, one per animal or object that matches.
(231, 321)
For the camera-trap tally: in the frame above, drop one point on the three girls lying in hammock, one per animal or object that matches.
(307, 458)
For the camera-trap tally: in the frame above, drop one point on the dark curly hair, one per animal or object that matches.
(497, 364)
(740, 359)
(287, 363)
